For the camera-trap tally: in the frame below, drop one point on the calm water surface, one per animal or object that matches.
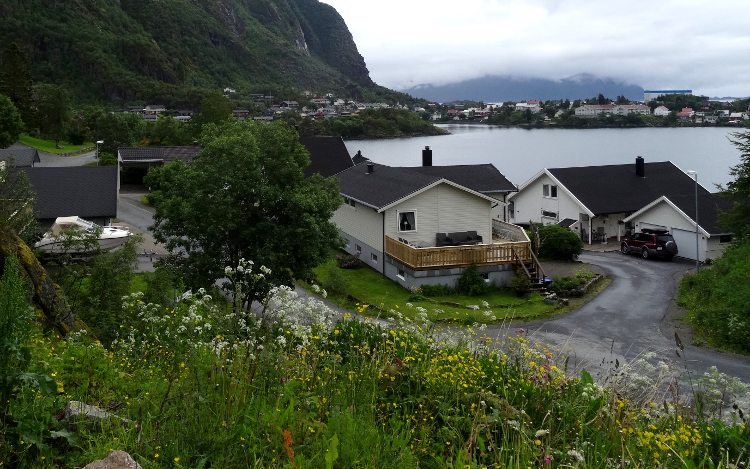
(519, 154)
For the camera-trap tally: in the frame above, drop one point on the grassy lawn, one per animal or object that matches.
(48, 146)
(364, 286)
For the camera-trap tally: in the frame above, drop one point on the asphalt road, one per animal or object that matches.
(627, 319)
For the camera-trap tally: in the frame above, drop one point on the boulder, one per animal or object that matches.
(75, 410)
(114, 460)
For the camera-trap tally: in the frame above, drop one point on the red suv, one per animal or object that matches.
(650, 243)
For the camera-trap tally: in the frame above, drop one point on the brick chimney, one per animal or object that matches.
(370, 168)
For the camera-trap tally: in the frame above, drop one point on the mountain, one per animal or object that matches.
(169, 50)
(493, 88)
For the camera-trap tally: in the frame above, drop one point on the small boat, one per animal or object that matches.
(74, 235)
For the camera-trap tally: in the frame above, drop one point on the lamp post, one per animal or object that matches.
(98, 142)
(697, 247)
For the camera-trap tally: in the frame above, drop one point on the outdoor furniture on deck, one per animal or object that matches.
(457, 238)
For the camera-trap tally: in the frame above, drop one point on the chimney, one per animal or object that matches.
(370, 168)
(426, 157)
(640, 167)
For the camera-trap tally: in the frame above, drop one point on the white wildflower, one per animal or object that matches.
(575, 455)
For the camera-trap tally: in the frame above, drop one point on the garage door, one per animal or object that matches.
(685, 243)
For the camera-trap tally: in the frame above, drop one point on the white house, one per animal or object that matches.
(532, 105)
(416, 226)
(625, 109)
(602, 203)
(662, 111)
(593, 110)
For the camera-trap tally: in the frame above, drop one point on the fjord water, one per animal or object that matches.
(519, 153)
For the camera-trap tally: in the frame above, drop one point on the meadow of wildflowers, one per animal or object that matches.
(206, 382)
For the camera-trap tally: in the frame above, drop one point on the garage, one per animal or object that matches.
(685, 243)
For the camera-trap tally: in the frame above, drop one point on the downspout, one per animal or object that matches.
(589, 230)
(384, 254)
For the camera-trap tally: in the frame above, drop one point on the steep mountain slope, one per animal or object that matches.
(122, 50)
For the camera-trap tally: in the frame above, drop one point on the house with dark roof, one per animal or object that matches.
(426, 225)
(135, 162)
(88, 192)
(328, 155)
(605, 202)
(19, 157)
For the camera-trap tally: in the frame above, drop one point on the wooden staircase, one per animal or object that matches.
(533, 270)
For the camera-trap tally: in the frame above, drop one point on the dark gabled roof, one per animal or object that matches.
(617, 189)
(482, 178)
(328, 155)
(383, 186)
(566, 222)
(85, 191)
(20, 157)
(158, 154)
(709, 208)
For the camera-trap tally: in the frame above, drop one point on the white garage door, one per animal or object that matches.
(685, 243)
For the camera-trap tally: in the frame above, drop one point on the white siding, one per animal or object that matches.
(442, 209)
(529, 203)
(362, 222)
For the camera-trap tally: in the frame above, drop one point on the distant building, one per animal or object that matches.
(650, 95)
(662, 111)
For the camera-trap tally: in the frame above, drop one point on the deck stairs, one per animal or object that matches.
(533, 270)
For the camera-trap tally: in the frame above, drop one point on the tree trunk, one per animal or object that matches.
(45, 296)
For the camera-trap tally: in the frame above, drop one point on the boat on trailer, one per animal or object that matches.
(74, 235)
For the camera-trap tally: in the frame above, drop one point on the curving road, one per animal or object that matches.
(628, 319)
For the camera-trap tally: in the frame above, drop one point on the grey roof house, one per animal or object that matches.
(88, 192)
(19, 157)
(607, 201)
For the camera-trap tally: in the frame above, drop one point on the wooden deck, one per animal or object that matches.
(498, 252)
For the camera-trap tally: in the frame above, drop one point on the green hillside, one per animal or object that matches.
(172, 50)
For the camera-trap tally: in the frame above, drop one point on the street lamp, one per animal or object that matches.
(697, 249)
(98, 142)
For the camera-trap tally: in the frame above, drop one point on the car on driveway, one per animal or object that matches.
(650, 243)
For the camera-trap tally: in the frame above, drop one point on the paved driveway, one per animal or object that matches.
(628, 319)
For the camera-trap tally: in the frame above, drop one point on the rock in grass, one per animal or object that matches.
(114, 460)
(77, 410)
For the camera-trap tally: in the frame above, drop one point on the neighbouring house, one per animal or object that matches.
(685, 114)
(606, 202)
(661, 111)
(86, 191)
(419, 225)
(134, 162)
(19, 157)
(328, 155)
(626, 109)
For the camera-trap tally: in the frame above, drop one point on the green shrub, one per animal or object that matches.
(555, 242)
(520, 283)
(334, 281)
(437, 290)
(471, 282)
(565, 284)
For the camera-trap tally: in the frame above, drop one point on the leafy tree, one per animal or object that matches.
(169, 131)
(244, 196)
(215, 108)
(17, 204)
(119, 129)
(52, 110)
(11, 124)
(15, 78)
(555, 242)
(737, 219)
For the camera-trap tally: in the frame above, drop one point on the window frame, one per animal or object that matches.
(398, 221)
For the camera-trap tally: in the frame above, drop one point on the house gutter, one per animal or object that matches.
(384, 254)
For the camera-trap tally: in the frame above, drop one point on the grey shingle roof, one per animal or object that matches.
(162, 154)
(383, 186)
(478, 177)
(20, 157)
(616, 189)
(328, 155)
(89, 192)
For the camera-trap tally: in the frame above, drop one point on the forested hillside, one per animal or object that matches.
(171, 50)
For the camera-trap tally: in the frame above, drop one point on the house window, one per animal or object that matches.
(407, 221)
(548, 214)
(358, 248)
(374, 258)
(553, 191)
(545, 190)
(349, 202)
(549, 190)
(401, 274)
(512, 209)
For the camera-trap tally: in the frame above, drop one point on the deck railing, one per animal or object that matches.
(457, 256)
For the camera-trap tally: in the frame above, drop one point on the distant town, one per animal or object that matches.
(658, 108)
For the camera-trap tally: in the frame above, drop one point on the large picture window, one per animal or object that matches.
(407, 221)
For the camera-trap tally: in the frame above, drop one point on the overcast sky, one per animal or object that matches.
(703, 45)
